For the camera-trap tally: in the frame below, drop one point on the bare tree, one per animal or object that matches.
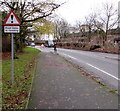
(81, 28)
(56, 29)
(28, 11)
(119, 14)
(61, 28)
(108, 17)
(78, 26)
(89, 21)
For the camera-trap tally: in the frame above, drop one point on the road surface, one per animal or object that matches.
(102, 65)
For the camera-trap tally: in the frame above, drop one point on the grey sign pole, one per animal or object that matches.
(12, 44)
(12, 25)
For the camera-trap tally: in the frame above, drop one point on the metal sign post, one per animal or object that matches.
(12, 25)
(12, 46)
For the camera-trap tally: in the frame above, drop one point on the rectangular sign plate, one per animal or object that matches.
(11, 29)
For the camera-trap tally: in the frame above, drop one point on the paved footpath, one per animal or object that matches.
(59, 85)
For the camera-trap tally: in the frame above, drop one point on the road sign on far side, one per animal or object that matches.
(12, 19)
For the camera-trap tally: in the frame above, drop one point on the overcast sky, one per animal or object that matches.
(74, 10)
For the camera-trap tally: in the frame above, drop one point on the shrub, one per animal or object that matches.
(68, 44)
(93, 47)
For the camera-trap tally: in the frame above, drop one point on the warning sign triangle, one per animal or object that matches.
(12, 19)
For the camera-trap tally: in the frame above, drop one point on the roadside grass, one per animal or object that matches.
(15, 96)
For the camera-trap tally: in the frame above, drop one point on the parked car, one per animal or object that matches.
(33, 44)
(117, 40)
(49, 43)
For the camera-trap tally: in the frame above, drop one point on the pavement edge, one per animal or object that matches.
(32, 82)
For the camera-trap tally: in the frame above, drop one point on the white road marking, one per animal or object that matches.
(103, 71)
(70, 56)
(95, 67)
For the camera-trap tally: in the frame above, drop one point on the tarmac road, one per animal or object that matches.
(104, 66)
(59, 85)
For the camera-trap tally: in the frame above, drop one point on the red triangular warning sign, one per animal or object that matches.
(12, 19)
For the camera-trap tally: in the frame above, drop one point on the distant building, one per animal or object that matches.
(73, 30)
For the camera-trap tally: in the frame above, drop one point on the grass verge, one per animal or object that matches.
(15, 96)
